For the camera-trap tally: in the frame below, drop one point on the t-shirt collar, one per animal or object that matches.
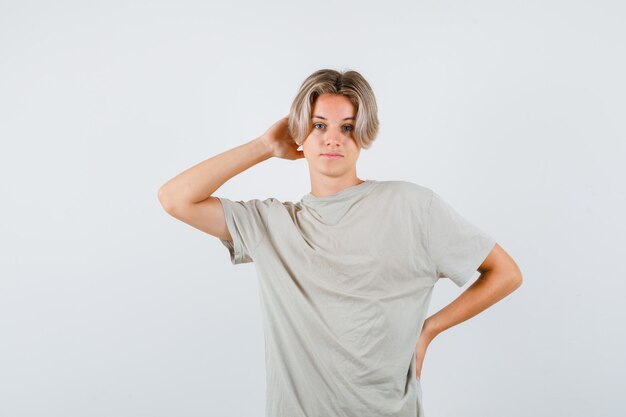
(343, 195)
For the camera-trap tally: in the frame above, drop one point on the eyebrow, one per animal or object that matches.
(323, 118)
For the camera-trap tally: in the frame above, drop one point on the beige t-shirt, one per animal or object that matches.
(345, 283)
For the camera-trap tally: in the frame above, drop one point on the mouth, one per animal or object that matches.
(332, 155)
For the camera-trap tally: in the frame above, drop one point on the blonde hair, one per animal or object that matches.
(348, 83)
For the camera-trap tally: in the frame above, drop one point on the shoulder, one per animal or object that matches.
(406, 190)
(267, 204)
(253, 206)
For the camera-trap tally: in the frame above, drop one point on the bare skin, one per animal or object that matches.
(499, 276)
(333, 132)
(189, 198)
(189, 195)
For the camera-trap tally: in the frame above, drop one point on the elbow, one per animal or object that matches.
(510, 278)
(513, 275)
(165, 199)
(516, 278)
(518, 281)
(518, 275)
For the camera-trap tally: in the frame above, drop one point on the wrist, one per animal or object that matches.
(430, 329)
(264, 146)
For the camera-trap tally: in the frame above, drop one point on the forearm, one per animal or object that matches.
(488, 289)
(201, 180)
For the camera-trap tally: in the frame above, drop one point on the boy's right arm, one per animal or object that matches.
(188, 196)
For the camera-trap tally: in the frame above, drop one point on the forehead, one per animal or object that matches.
(333, 106)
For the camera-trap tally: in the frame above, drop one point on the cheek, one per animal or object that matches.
(306, 149)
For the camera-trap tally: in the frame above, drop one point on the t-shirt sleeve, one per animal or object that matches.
(456, 246)
(247, 223)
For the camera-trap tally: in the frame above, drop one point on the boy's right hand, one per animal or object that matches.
(278, 139)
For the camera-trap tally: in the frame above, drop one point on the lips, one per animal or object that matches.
(332, 154)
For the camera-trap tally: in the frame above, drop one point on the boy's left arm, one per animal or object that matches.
(499, 277)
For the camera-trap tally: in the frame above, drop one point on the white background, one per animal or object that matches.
(513, 111)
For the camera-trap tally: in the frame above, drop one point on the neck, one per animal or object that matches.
(326, 186)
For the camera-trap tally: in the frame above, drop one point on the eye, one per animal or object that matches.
(317, 124)
(351, 128)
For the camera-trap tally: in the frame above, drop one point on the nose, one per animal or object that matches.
(334, 137)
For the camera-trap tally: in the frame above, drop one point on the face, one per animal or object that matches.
(333, 119)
